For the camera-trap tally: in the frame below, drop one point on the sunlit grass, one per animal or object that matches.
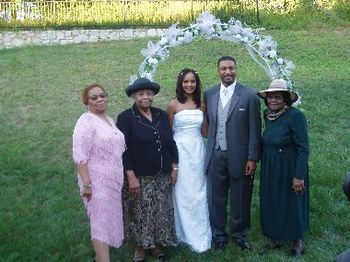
(41, 215)
(133, 13)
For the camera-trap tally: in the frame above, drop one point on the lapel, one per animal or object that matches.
(234, 99)
(214, 102)
(144, 121)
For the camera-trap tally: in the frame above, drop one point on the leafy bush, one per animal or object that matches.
(121, 14)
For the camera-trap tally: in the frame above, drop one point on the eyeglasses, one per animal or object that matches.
(95, 97)
(276, 97)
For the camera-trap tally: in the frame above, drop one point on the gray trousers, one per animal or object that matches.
(219, 183)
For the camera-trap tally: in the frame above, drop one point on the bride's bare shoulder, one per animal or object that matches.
(172, 106)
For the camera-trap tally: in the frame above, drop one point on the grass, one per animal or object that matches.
(41, 215)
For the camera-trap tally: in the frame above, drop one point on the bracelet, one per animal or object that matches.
(88, 185)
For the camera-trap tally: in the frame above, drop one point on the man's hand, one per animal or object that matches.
(250, 168)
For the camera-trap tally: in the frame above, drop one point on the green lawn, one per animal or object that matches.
(41, 214)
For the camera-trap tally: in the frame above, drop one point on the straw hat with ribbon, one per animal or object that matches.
(279, 85)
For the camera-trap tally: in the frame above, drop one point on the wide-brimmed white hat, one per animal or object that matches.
(278, 85)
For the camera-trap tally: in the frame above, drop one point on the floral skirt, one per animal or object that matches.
(149, 219)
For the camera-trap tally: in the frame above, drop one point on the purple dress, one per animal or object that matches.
(101, 146)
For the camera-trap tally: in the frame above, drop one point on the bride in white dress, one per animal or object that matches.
(189, 193)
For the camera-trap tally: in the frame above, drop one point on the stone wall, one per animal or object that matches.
(11, 39)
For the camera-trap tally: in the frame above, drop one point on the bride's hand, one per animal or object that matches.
(173, 176)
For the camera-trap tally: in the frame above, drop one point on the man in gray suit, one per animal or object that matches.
(233, 148)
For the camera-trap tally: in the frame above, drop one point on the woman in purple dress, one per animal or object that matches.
(98, 146)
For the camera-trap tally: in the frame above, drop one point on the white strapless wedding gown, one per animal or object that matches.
(190, 192)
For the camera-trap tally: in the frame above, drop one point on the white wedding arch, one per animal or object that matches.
(263, 49)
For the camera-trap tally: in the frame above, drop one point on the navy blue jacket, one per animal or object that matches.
(150, 147)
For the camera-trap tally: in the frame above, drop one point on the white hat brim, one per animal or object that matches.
(293, 95)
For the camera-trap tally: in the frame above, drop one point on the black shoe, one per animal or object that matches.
(159, 255)
(297, 248)
(162, 257)
(243, 244)
(273, 245)
(220, 245)
(137, 257)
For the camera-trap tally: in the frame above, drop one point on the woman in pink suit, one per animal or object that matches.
(98, 146)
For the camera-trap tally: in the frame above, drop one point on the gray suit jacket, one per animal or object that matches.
(243, 127)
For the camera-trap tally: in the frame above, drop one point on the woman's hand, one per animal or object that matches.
(173, 176)
(298, 185)
(86, 192)
(85, 177)
(134, 184)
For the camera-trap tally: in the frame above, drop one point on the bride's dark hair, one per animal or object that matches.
(180, 94)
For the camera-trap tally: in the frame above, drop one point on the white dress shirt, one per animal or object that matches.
(226, 93)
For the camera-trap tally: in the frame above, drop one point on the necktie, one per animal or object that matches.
(224, 98)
